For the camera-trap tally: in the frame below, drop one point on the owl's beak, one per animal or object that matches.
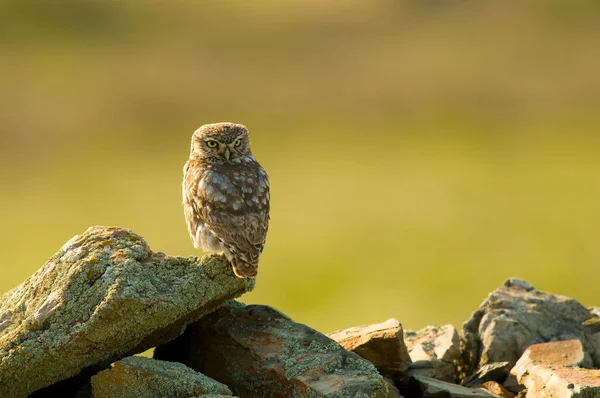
(227, 153)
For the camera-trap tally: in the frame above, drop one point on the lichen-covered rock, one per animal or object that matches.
(516, 316)
(434, 351)
(259, 352)
(103, 296)
(382, 344)
(140, 377)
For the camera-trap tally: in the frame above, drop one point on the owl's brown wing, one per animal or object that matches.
(232, 203)
(192, 174)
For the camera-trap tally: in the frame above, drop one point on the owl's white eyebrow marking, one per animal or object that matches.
(237, 138)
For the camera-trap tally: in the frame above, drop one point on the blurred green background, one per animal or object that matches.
(419, 152)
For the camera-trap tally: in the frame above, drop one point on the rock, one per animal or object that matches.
(433, 351)
(496, 388)
(103, 296)
(427, 387)
(516, 316)
(141, 377)
(544, 381)
(512, 384)
(393, 390)
(381, 344)
(549, 368)
(495, 371)
(568, 353)
(259, 352)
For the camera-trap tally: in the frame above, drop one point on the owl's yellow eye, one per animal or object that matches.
(237, 143)
(211, 144)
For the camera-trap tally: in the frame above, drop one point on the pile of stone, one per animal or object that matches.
(74, 328)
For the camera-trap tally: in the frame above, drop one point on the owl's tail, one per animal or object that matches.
(243, 269)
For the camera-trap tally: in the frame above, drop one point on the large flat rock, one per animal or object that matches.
(516, 316)
(105, 295)
(259, 352)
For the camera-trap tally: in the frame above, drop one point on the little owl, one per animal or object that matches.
(226, 196)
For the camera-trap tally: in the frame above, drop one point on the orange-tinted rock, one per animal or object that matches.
(545, 382)
(555, 354)
(497, 389)
(140, 377)
(259, 352)
(554, 370)
(382, 344)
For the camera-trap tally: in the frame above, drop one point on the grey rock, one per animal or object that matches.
(427, 387)
(105, 295)
(434, 351)
(141, 377)
(495, 371)
(382, 344)
(259, 352)
(516, 316)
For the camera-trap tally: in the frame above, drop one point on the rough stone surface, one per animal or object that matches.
(495, 371)
(103, 296)
(549, 368)
(496, 388)
(140, 377)
(556, 354)
(516, 316)
(259, 352)
(382, 344)
(544, 381)
(433, 351)
(393, 390)
(427, 387)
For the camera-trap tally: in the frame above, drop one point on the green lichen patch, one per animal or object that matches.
(142, 377)
(104, 295)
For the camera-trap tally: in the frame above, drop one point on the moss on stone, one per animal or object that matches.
(258, 351)
(139, 299)
(140, 377)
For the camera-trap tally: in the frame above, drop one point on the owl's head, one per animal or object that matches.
(220, 142)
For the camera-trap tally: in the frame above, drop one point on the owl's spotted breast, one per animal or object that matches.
(226, 206)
